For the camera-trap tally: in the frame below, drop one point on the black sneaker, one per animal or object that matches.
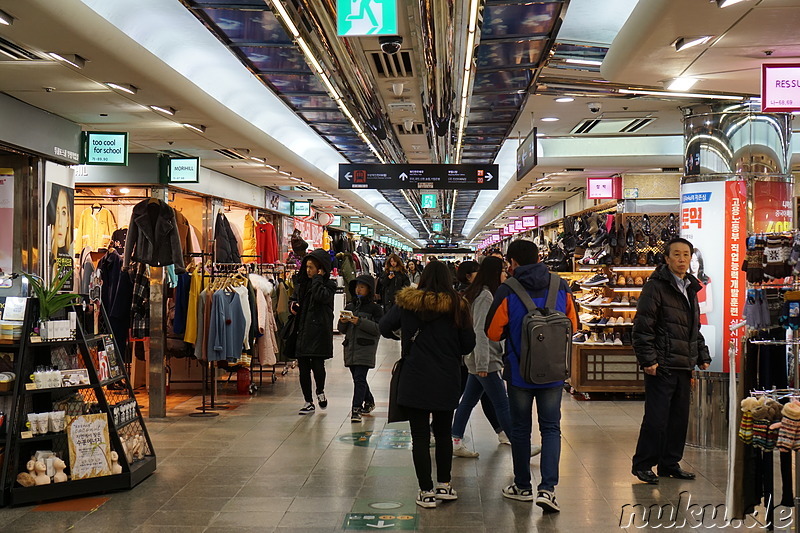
(547, 501)
(597, 279)
(322, 400)
(307, 409)
(368, 408)
(355, 415)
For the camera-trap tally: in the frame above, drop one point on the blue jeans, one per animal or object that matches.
(493, 386)
(548, 408)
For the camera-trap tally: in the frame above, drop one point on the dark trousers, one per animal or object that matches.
(666, 418)
(361, 392)
(306, 366)
(421, 427)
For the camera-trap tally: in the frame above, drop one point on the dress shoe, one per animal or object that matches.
(630, 238)
(677, 473)
(648, 476)
(646, 224)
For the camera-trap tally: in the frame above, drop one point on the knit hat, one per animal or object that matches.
(789, 432)
(746, 424)
(761, 423)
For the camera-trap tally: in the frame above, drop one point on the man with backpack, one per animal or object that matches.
(537, 338)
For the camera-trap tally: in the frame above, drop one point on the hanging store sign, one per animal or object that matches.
(183, 170)
(780, 87)
(355, 227)
(604, 188)
(366, 17)
(104, 148)
(527, 155)
(530, 222)
(518, 226)
(337, 220)
(301, 209)
(424, 176)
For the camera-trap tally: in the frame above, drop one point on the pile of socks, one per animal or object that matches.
(765, 428)
(789, 433)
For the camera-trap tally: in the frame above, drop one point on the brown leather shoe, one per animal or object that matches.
(639, 281)
(621, 280)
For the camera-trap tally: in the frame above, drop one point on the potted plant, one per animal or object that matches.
(51, 302)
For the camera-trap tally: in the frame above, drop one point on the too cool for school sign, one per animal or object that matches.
(104, 148)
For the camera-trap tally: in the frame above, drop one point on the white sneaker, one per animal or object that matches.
(503, 438)
(536, 449)
(426, 499)
(444, 491)
(461, 450)
(515, 493)
(547, 501)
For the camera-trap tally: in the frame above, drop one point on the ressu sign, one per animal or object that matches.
(104, 148)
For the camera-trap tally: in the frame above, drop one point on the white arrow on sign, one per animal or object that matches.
(403, 176)
(380, 525)
(348, 176)
(489, 176)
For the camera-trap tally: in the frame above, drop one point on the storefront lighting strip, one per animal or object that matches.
(633, 269)
(285, 16)
(680, 95)
(163, 109)
(627, 289)
(471, 29)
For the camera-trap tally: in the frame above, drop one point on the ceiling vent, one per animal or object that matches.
(397, 65)
(9, 50)
(670, 169)
(230, 154)
(178, 153)
(575, 189)
(403, 107)
(302, 188)
(416, 129)
(543, 189)
(611, 125)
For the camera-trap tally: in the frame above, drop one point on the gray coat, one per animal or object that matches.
(487, 355)
(361, 340)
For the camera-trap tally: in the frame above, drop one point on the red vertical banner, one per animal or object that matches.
(735, 249)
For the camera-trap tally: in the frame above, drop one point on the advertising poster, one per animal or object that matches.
(59, 217)
(311, 233)
(89, 449)
(772, 206)
(6, 219)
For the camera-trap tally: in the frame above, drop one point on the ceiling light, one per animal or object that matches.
(71, 59)
(726, 3)
(681, 84)
(163, 109)
(592, 62)
(285, 16)
(5, 18)
(258, 159)
(124, 190)
(549, 119)
(682, 43)
(565, 99)
(680, 95)
(196, 127)
(124, 87)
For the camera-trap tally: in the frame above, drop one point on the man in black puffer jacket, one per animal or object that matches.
(668, 345)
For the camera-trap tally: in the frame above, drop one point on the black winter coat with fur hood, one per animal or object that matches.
(431, 375)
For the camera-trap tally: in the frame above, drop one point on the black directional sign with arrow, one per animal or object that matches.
(427, 176)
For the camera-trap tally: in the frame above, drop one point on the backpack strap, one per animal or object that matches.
(552, 293)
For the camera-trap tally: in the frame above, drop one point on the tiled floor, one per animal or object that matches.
(261, 467)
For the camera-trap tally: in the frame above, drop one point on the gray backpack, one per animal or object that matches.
(546, 348)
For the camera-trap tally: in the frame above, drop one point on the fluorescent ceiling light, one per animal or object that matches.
(124, 87)
(591, 62)
(71, 59)
(682, 43)
(681, 84)
(163, 109)
(565, 99)
(196, 127)
(726, 3)
(681, 95)
(549, 119)
(285, 16)
(124, 190)
(258, 159)
(5, 18)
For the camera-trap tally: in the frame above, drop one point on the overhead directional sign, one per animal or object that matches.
(436, 227)
(424, 176)
(366, 17)
(428, 201)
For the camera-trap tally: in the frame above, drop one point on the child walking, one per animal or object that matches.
(359, 324)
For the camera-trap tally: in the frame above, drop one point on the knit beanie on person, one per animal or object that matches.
(789, 433)
(746, 424)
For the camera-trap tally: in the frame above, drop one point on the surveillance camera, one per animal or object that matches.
(595, 107)
(391, 44)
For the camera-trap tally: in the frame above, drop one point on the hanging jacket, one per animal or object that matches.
(249, 242)
(666, 328)
(184, 231)
(361, 340)
(110, 267)
(226, 245)
(95, 229)
(267, 243)
(153, 236)
(431, 375)
(315, 318)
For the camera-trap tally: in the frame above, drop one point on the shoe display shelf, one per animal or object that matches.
(93, 382)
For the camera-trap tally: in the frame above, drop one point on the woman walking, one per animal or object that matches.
(436, 331)
(413, 272)
(391, 281)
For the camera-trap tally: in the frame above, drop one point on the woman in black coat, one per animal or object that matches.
(391, 281)
(436, 331)
(312, 303)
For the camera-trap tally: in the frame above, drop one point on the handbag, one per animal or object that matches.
(288, 336)
(396, 412)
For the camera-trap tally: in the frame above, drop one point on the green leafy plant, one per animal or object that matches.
(50, 301)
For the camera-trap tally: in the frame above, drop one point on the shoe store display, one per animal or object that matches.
(585, 317)
(633, 301)
(642, 259)
(624, 302)
(593, 338)
(646, 224)
(602, 322)
(639, 281)
(608, 300)
(617, 339)
(609, 339)
(621, 280)
(579, 338)
(651, 258)
(630, 237)
(629, 281)
(597, 301)
(596, 280)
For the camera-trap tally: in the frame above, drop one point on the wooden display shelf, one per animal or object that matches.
(605, 368)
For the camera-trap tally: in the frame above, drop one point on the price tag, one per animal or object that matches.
(30, 386)
(26, 435)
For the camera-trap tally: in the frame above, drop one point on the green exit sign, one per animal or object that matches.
(436, 227)
(428, 201)
(366, 17)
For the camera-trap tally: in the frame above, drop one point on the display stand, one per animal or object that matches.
(93, 353)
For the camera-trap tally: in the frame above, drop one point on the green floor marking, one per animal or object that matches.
(380, 521)
(388, 439)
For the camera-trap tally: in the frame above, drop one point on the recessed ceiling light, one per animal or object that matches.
(682, 43)
(549, 119)
(681, 84)
(164, 109)
(565, 99)
(124, 190)
(5, 18)
(196, 127)
(591, 62)
(71, 59)
(124, 87)
(726, 3)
